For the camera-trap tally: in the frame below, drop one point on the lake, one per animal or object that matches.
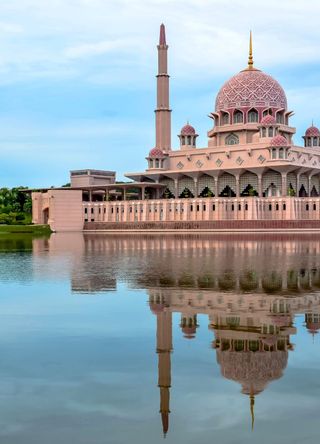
(136, 338)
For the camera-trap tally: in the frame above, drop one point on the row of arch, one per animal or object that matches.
(238, 116)
(247, 184)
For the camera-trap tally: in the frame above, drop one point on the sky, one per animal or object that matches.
(77, 77)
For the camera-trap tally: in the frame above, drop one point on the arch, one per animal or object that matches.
(169, 183)
(304, 186)
(280, 116)
(238, 116)
(267, 112)
(232, 139)
(206, 182)
(45, 215)
(167, 194)
(186, 183)
(224, 118)
(281, 153)
(315, 186)
(248, 184)
(270, 131)
(186, 193)
(227, 185)
(253, 116)
(271, 184)
(291, 184)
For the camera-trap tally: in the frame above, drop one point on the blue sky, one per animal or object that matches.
(77, 85)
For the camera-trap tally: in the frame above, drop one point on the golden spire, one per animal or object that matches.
(252, 410)
(250, 59)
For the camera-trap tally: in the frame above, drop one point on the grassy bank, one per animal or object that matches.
(40, 230)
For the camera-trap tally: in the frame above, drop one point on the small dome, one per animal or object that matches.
(189, 332)
(312, 131)
(268, 120)
(187, 130)
(279, 141)
(156, 153)
(156, 308)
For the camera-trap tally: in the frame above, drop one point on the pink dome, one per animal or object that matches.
(187, 130)
(313, 131)
(279, 141)
(251, 88)
(268, 120)
(156, 153)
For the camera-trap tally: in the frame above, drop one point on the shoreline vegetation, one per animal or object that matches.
(39, 230)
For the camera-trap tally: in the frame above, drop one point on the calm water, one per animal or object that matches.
(206, 339)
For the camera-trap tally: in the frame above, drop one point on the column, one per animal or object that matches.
(260, 191)
(176, 188)
(284, 184)
(196, 191)
(237, 185)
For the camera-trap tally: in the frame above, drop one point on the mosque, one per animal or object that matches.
(250, 176)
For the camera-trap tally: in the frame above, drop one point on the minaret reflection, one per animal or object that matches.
(164, 349)
(252, 334)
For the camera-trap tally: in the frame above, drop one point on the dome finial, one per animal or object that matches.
(250, 59)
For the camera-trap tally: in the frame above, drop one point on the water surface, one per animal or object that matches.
(199, 339)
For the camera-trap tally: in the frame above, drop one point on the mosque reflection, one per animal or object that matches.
(250, 289)
(251, 334)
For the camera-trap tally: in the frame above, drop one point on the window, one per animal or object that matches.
(213, 207)
(253, 116)
(264, 132)
(270, 207)
(314, 207)
(232, 139)
(204, 207)
(277, 207)
(189, 140)
(92, 210)
(225, 119)
(85, 210)
(198, 208)
(239, 207)
(183, 140)
(281, 153)
(315, 141)
(270, 131)
(237, 117)
(279, 118)
(191, 207)
(284, 207)
(274, 153)
(307, 207)
(309, 141)
(246, 207)
(157, 163)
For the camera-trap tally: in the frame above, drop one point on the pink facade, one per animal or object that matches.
(251, 169)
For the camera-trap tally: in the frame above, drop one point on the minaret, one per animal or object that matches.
(164, 348)
(163, 112)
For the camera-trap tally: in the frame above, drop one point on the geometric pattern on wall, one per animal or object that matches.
(315, 183)
(271, 177)
(169, 183)
(204, 182)
(292, 179)
(248, 179)
(186, 182)
(226, 179)
(304, 181)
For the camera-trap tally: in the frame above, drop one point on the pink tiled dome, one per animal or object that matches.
(156, 153)
(187, 130)
(279, 141)
(268, 120)
(312, 131)
(251, 88)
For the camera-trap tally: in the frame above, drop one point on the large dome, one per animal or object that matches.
(251, 88)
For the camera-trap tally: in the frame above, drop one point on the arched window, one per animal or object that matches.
(309, 141)
(157, 163)
(225, 118)
(267, 112)
(189, 140)
(232, 139)
(253, 116)
(270, 132)
(183, 140)
(281, 153)
(238, 117)
(274, 153)
(315, 141)
(264, 132)
(279, 118)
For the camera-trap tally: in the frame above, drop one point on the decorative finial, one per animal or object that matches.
(250, 59)
(252, 411)
(162, 39)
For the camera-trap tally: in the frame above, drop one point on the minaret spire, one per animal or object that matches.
(163, 111)
(252, 410)
(250, 59)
